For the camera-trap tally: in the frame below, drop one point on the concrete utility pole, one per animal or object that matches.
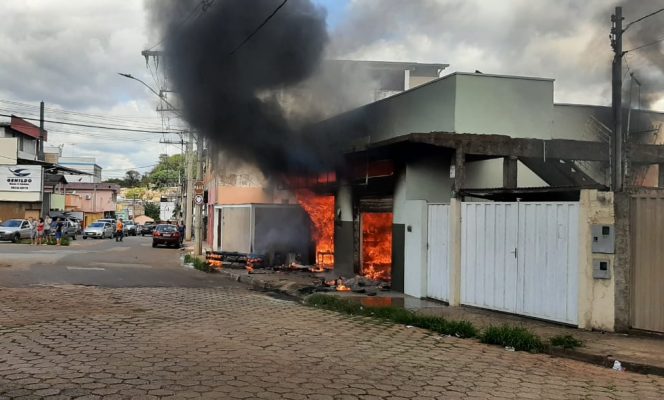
(616, 87)
(198, 223)
(41, 131)
(190, 188)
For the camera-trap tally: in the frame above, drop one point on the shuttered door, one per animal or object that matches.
(647, 310)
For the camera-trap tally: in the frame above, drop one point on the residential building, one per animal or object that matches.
(95, 200)
(478, 189)
(237, 183)
(88, 165)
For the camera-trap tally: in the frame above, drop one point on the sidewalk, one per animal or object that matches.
(637, 353)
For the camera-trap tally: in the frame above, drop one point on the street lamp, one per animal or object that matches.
(161, 96)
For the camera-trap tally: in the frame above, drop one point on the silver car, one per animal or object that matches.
(15, 230)
(98, 230)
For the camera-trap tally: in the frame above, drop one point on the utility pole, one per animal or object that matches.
(181, 183)
(41, 131)
(190, 188)
(198, 238)
(616, 88)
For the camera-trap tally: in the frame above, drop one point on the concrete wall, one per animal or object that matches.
(428, 108)
(490, 104)
(489, 174)
(596, 296)
(8, 151)
(227, 195)
(96, 201)
(343, 231)
(428, 178)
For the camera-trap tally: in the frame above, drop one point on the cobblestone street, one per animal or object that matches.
(79, 342)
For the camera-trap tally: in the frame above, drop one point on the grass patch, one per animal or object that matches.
(188, 259)
(566, 341)
(520, 339)
(394, 314)
(201, 265)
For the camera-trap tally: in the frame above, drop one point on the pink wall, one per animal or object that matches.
(104, 200)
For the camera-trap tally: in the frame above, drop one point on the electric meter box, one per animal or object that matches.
(601, 268)
(604, 239)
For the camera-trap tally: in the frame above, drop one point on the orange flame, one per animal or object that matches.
(377, 246)
(250, 269)
(342, 288)
(321, 213)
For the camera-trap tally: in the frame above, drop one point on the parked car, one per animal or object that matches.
(166, 234)
(147, 228)
(69, 229)
(99, 230)
(15, 230)
(76, 224)
(130, 228)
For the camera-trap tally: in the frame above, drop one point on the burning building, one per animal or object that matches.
(401, 168)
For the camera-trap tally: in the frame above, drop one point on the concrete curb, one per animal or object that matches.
(295, 290)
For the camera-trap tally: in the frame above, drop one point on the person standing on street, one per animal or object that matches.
(33, 230)
(47, 226)
(119, 231)
(181, 231)
(58, 231)
(40, 231)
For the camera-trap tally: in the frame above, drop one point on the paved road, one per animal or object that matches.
(105, 263)
(224, 341)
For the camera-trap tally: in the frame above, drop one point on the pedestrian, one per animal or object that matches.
(181, 230)
(58, 231)
(119, 231)
(47, 226)
(40, 231)
(33, 230)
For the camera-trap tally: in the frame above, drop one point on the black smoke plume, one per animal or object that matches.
(229, 89)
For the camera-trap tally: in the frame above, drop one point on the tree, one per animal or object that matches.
(152, 210)
(167, 172)
(137, 193)
(132, 178)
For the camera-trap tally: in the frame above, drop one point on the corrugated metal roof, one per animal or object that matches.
(26, 128)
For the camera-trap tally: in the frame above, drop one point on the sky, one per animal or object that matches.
(68, 54)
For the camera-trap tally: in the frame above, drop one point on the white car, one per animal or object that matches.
(99, 230)
(15, 230)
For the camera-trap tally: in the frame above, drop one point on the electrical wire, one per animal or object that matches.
(89, 126)
(645, 45)
(258, 28)
(204, 5)
(642, 18)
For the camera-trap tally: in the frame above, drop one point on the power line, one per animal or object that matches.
(269, 17)
(204, 5)
(642, 18)
(89, 126)
(646, 45)
(127, 118)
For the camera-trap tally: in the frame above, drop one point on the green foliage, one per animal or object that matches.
(167, 172)
(50, 240)
(188, 258)
(136, 193)
(152, 210)
(566, 341)
(395, 315)
(201, 265)
(132, 178)
(513, 336)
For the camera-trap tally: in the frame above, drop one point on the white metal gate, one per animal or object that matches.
(438, 252)
(521, 258)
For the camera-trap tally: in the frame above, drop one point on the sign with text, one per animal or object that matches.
(20, 178)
